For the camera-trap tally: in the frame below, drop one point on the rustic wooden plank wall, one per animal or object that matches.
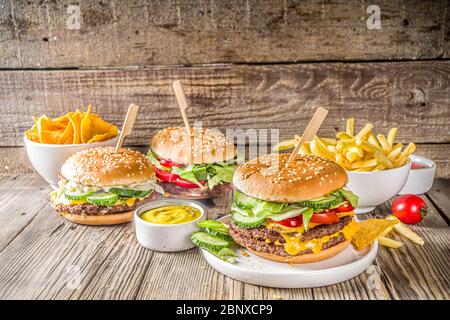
(246, 64)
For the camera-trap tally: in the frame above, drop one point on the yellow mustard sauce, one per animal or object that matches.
(171, 214)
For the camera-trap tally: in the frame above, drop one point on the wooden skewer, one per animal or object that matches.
(310, 131)
(127, 125)
(182, 103)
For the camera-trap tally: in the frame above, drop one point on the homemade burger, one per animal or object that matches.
(99, 186)
(196, 166)
(294, 212)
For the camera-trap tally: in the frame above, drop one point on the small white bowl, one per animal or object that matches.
(374, 188)
(420, 180)
(166, 237)
(47, 159)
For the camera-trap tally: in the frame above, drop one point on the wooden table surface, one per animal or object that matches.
(43, 256)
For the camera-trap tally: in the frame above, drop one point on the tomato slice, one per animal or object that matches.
(346, 207)
(168, 163)
(165, 176)
(187, 184)
(325, 218)
(291, 222)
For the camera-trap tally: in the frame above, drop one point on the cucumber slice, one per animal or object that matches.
(247, 221)
(103, 199)
(142, 193)
(289, 212)
(123, 192)
(208, 242)
(214, 225)
(224, 236)
(130, 193)
(77, 196)
(322, 202)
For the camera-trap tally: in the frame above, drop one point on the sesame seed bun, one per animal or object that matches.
(203, 146)
(272, 178)
(103, 167)
(305, 258)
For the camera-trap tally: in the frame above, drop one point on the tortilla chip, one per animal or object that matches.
(369, 230)
(94, 128)
(71, 128)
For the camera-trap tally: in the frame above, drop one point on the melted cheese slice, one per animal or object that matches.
(294, 244)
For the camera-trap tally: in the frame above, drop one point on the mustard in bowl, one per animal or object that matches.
(167, 225)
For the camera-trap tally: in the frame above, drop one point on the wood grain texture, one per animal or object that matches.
(142, 33)
(41, 256)
(440, 194)
(414, 96)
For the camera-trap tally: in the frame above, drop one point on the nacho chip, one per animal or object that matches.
(71, 128)
(48, 130)
(75, 119)
(369, 230)
(94, 128)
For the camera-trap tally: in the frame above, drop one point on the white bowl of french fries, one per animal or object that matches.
(377, 167)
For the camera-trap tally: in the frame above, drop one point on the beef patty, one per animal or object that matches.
(255, 238)
(217, 191)
(88, 209)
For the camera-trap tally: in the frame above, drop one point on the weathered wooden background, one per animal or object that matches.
(246, 64)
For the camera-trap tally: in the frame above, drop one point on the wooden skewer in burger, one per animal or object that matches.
(103, 185)
(190, 162)
(293, 208)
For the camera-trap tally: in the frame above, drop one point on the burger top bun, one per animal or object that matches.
(203, 146)
(104, 167)
(272, 178)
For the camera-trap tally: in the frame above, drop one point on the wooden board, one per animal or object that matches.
(43, 256)
(413, 96)
(440, 193)
(142, 33)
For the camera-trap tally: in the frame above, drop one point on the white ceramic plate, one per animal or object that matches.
(255, 270)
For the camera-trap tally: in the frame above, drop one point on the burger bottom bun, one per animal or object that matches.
(97, 220)
(306, 258)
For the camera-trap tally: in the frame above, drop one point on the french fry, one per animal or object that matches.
(364, 164)
(344, 144)
(284, 145)
(329, 141)
(362, 152)
(390, 243)
(332, 149)
(410, 148)
(383, 142)
(367, 146)
(380, 167)
(373, 140)
(391, 136)
(343, 136)
(305, 148)
(352, 156)
(350, 127)
(364, 131)
(395, 151)
(381, 158)
(406, 232)
(320, 149)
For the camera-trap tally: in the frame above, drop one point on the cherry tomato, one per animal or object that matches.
(409, 209)
(165, 176)
(346, 207)
(292, 222)
(325, 218)
(168, 163)
(187, 184)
